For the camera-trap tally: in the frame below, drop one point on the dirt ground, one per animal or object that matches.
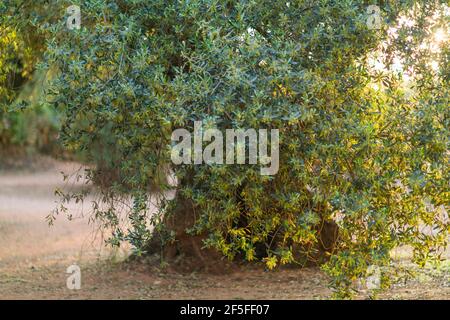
(34, 258)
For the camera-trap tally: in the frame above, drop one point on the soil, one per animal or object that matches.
(34, 257)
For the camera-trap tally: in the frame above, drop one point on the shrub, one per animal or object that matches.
(370, 163)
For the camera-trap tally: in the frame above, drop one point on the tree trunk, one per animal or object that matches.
(186, 253)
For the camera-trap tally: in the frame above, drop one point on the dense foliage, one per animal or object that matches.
(34, 129)
(358, 147)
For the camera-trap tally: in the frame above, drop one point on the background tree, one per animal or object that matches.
(21, 45)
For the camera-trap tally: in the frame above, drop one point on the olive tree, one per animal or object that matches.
(363, 153)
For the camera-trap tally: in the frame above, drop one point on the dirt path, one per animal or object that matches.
(34, 258)
(26, 198)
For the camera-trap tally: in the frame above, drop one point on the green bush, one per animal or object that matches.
(373, 162)
(34, 129)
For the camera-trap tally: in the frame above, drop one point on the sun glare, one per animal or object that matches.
(440, 36)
